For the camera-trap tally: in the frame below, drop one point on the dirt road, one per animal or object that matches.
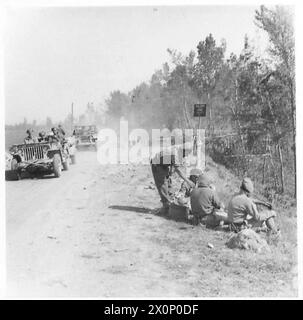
(91, 233)
(63, 239)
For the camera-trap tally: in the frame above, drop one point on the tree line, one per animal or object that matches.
(251, 107)
(251, 120)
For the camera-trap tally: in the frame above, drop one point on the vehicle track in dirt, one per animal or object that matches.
(64, 239)
(92, 233)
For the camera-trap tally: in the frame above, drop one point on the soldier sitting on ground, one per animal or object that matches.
(205, 204)
(185, 189)
(243, 212)
(183, 195)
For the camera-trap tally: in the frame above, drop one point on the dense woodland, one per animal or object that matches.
(251, 120)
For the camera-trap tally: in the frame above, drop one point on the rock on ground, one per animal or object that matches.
(247, 239)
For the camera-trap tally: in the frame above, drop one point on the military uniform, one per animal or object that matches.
(28, 140)
(56, 135)
(243, 212)
(162, 165)
(61, 133)
(205, 203)
(42, 137)
(185, 189)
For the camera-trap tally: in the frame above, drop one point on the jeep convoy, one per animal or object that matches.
(50, 154)
(40, 158)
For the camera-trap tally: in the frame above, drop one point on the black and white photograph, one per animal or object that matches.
(150, 151)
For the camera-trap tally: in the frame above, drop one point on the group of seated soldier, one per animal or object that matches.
(242, 211)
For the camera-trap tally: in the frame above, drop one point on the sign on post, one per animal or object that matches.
(200, 110)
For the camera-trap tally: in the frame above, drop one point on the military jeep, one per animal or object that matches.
(85, 136)
(41, 158)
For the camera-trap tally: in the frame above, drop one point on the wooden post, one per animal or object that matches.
(200, 165)
(200, 111)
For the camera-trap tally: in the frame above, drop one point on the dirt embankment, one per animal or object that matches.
(92, 233)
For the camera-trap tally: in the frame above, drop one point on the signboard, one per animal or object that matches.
(200, 110)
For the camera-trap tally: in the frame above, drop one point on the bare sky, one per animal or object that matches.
(56, 56)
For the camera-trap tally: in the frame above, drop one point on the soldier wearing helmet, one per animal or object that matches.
(53, 136)
(30, 138)
(42, 136)
(205, 202)
(193, 176)
(163, 164)
(61, 132)
(243, 211)
(56, 134)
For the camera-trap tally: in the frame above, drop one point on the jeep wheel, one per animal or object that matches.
(57, 165)
(14, 166)
(73, 159)
(66, 165)
(11, 175)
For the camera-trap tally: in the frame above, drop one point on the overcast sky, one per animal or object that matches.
(56, 56)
